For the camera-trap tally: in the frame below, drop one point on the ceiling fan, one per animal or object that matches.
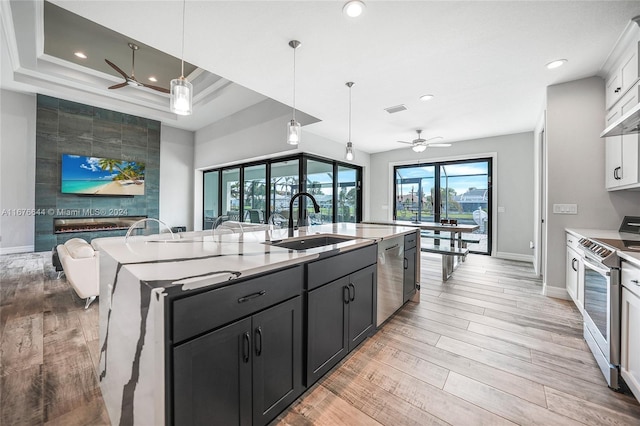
(131, 80)
(419, 144)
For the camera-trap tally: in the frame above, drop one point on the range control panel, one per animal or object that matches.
(595, 248)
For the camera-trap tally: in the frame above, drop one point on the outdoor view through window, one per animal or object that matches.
(458, 190)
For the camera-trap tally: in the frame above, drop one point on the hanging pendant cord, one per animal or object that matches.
(294, 84)
(349, 114)
(184, 3)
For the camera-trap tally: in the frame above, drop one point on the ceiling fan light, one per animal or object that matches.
(181, 96)
(419, 148)
(349, 155)
(294, 132)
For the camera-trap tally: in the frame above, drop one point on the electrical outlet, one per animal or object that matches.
(565, 209)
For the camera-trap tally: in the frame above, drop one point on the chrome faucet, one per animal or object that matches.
(316, 207)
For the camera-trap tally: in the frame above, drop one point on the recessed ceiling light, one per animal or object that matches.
(353, 8)
(426, 97)
(152, 78)
(555, 64)
(80, 55)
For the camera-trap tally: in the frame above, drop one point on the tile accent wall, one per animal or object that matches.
(65, 127)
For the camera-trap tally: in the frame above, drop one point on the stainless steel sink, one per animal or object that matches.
(311, 241)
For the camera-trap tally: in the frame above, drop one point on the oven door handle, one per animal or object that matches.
(599, 269)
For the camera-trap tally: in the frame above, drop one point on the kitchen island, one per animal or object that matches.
(173, 315)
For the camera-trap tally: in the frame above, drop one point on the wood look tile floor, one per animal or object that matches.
(482, 348)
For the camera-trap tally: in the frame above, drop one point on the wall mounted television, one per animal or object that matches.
(101, 176)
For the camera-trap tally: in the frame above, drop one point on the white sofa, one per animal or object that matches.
(81, 267)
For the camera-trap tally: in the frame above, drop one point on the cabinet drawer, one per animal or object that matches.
(410, 240)
(332, 268)
(630, 277)
(206, 311)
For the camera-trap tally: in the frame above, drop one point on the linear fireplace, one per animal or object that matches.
(65, 225)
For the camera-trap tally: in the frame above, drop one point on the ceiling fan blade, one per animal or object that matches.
(410, 143)
(117, 86)
(433, 139)
(115, 67)
(439, 145)
(159, 89)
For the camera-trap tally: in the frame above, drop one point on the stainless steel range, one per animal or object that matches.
(602, 305)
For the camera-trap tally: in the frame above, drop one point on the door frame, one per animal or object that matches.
(467, 157)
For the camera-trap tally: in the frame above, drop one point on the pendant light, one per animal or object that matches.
(294, 131)
(349, 156)
(181, 89)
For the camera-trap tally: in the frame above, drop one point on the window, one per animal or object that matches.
(211, 202)
(254, 192)
(231, 194)
(458, 190)
(319, 183)
(348, 194)
(284, 185)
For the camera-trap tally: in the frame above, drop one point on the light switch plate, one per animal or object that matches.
(565, 209)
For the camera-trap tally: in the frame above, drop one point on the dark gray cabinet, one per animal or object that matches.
(212, 378)
(340, 315)
(410, 262)
(244, 372)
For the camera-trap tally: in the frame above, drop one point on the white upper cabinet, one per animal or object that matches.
(623, 76)
(622, 159)
(622, 155)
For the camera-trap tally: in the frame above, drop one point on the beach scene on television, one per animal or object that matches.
(101, 176)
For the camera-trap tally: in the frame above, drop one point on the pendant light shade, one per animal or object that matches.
(181, 96)
(419, 148)
(349, 155)
(294, 131)
(181, 90)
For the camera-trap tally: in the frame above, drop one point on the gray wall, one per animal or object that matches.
(575, 117)
(176, 177)
(513, 185)
(17, 170)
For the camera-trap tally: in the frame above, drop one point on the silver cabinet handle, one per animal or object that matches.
(635, 282)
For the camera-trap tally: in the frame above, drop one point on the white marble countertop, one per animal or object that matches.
(633, 257)
(208, 259)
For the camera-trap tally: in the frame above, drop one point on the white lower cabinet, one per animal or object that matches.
(630, 328)
(574, 273)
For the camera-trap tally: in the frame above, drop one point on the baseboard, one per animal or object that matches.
(18, 249)
(555, 292)
(515, 256)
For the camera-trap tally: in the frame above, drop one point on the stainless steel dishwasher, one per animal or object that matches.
(390, 277)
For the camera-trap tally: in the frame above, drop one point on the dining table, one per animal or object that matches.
(450, 254)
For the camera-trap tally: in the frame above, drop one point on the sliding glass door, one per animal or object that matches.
(285, 183)
(348, 194)
(257, 191)
(459, 190)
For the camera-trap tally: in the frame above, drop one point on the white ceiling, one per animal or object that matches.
(483, 60)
